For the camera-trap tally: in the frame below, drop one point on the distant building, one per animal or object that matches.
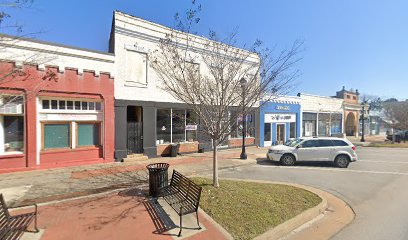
(280, 120)
(321, 115)
(352, 110)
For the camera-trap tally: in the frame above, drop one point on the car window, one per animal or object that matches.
(310, 143)
(339, 143)
(325, 143)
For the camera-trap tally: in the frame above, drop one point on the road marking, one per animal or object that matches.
(334, 170)
(379, 161)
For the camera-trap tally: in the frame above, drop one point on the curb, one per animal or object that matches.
(226, 234)
(301, 223)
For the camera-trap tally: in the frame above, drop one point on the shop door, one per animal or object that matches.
(280, 134)
(308, 129)
(135, 137)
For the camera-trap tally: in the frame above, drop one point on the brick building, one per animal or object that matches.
(56, 105)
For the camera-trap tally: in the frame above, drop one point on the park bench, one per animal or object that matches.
(183, 195)
(13, 226)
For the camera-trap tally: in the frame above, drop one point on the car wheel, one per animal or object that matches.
(342, 161)
(288, 160)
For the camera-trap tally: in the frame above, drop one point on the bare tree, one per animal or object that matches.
(396, 115)
(10, 74)
(219, 81)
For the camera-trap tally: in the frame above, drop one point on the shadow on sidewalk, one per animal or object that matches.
(160, 218)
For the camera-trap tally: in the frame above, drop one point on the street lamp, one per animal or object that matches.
(243, 83)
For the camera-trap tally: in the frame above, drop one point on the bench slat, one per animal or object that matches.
(183, 192)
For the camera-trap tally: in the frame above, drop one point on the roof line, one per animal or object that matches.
(54, 44)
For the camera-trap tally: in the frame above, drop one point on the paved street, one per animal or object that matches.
(375, 187)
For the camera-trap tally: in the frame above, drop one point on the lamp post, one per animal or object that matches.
(243, 83)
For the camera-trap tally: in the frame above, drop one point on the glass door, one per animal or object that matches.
(280, 134)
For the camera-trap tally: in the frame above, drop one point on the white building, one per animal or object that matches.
(147, 118)
(321, 115)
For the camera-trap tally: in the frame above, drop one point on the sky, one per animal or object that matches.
(357, 44)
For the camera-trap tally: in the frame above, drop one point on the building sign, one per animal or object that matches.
(191, 127)
(285, 108)
(276, 117)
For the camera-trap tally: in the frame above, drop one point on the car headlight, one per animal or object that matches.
(278, 151)
(275, 151)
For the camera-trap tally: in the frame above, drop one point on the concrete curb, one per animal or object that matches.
(226, 234)
(299, 227)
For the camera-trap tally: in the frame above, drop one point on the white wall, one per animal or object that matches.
(44, 53)
(134, 39)
(313, 103)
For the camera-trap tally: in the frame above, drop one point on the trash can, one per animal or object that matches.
(174, 150)
(158, 178)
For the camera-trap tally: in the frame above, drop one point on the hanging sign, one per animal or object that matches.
(191, 127)
(276, 117)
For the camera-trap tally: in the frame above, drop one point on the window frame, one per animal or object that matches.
(99, 123)
(54, 123)
(325, 140)
(312, 140)
(74, 109)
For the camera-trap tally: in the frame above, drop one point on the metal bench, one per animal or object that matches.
(13, 226)
(183, 195)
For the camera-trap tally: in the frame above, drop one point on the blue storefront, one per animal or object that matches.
(280, 121)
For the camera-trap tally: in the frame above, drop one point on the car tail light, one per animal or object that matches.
(354, 148)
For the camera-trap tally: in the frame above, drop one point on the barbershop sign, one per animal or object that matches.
(276, 117)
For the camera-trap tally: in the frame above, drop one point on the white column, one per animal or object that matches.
(73, 134)
(39, 131)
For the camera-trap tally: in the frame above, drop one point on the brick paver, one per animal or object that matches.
(58, 184)
(124, 216)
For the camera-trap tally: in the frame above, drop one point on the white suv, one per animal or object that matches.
(339, 150)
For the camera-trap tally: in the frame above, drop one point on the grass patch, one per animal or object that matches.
(389, 145)
(247, 209)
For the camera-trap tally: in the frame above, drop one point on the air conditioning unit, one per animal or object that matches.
(11, 108)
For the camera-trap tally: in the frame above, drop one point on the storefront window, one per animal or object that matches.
(13, 133)
(336, 125)
(191, 126)
(267, 132)
(178, 124)
(56, 135)
(11, 124)
(88, 134)
(309, 124)
(250, 127)
(163, 125)
(292, 130)
(324, 124)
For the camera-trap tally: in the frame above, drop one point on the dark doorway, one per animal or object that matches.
(134, 129)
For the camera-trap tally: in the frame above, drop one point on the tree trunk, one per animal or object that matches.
(215, 164)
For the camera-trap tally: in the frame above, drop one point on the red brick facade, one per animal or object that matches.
(30, 83)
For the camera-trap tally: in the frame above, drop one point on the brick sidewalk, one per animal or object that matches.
(124, 215)
(57, 184)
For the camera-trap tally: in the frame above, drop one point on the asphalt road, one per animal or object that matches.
(376, 187)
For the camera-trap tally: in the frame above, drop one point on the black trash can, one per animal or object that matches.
(158, 178)
(174, 150)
